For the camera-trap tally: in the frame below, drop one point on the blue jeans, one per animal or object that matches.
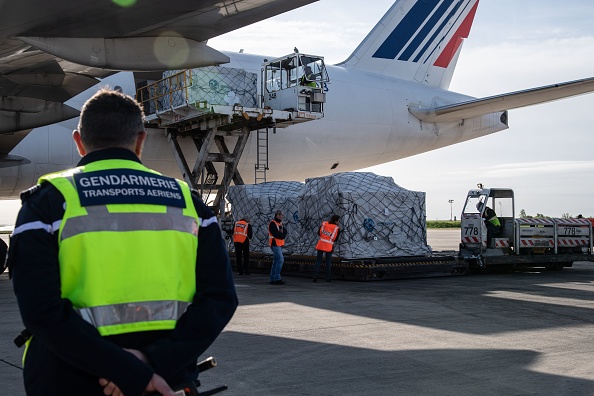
(277, 263)
(328, 264)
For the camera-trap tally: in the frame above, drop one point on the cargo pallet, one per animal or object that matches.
(375, 269)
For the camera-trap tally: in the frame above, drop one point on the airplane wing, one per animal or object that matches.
(508, 101)
(51, 51)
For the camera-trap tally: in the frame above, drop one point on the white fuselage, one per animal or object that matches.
(366, 122)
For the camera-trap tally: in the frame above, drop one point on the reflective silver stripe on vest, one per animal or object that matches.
(173, 220)
(147, 311)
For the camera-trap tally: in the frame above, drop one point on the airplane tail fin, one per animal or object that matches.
(416, 40)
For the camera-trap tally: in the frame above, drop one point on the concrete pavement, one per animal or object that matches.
(527, 333)
(441, 239)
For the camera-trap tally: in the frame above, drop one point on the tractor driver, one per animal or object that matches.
(491, 222)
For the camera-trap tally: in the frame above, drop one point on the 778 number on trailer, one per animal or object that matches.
(471, 231)
(573, 231)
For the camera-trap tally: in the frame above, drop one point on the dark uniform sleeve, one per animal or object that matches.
(212, 308)
(58, 332)
(250, 232)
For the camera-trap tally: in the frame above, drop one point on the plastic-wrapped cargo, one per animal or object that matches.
(378, 218)
(258, 202)
(212, 85)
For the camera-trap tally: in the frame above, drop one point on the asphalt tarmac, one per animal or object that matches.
(524, 333)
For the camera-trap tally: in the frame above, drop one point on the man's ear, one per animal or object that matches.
(79, 144)
(139, 143)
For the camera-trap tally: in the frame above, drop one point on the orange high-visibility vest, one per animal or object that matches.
(279, 242)
(241, 231)
(328, 236)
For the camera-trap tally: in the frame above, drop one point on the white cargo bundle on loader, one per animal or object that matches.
(208, 86)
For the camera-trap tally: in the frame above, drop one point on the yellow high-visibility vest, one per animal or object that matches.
(127, 263)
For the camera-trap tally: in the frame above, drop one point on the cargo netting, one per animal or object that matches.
(259, 202)
(378, 217)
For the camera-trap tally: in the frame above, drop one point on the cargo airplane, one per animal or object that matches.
(389, 100)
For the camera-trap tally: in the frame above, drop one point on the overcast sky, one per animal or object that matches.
(546, 155)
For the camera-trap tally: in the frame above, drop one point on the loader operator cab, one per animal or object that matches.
(295, 82)
(474, 224)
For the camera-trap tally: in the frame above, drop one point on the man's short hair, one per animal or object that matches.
(278, 212)
(334, 218)
(110, 119)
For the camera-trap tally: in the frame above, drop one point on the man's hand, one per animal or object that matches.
(109, 388)
(156, 383)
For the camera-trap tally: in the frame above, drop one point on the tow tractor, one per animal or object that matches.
(552, 243)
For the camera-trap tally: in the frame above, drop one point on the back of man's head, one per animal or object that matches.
(110, 119)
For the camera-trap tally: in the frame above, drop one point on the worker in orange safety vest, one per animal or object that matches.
(276, 239)
(242, 233)
(328, 232)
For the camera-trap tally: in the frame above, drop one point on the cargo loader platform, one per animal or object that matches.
(218, 108)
